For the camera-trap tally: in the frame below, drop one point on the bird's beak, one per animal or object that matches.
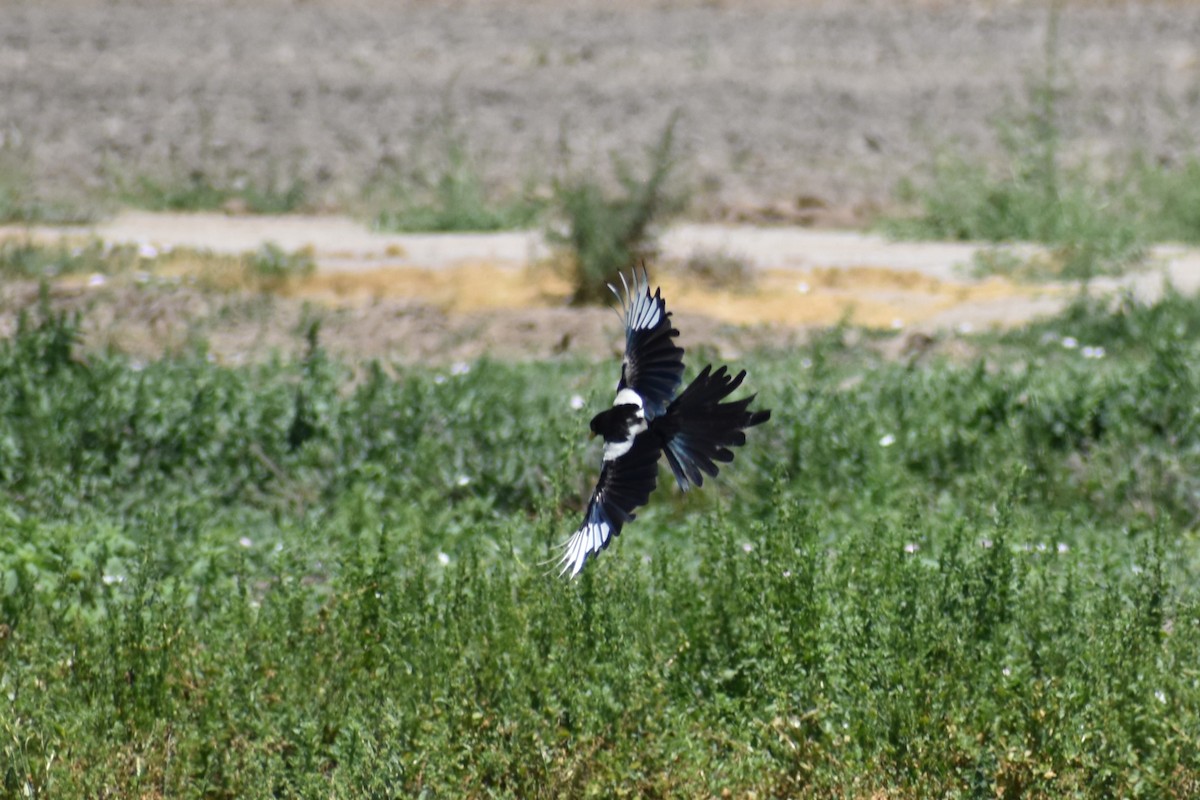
(591, 434)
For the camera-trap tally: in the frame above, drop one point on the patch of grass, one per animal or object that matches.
(1032, 196)
(270, 268)
(1079, 219)
(272, 265)
(449, 195)
(19, 203)
(24, 258)
(199, 190)
(1166, 200)
(718, 269)
(946, 579)
(607, 233)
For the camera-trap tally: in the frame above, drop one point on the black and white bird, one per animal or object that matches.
(694, 430)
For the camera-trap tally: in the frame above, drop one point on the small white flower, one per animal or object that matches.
(1092, 352)
(912, 547)
(986, 544)
(897, 324)
(787, 573)
(577, 402)
(96, 280)
(245, 542)
(1040, 547)
(439, 379)
(147, 250)
(109, 580)
(805, 363)
(887, 441)
(460, 368)
(1006, 672)
(646, 558)
(965, 327)
(747, 547)
(1070, 342)
(1136, 569)
(802, 287)
(1160, 695)
(443, 559)
(278, 547)
(1063, 548)
(462, 480)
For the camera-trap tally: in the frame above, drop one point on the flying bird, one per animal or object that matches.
(694, 429)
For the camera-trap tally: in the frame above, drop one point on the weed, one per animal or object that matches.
(450, 196)
(24, 258)
(606, 234)
(199, 190)
(1032, 196)
(20, 203)
(272, 266)
(718, 269)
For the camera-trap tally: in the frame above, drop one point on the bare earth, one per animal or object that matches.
(791, 110)
(796, 112)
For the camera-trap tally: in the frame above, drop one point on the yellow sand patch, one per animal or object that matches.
(463, 288)
(871, 296)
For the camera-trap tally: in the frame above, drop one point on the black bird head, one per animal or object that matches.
(614, 424)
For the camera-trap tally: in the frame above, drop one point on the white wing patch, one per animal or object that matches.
(642, 310)
(628, 397)
(589, 539)
(643, 313)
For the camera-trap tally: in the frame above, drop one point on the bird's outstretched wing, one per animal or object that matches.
(653, 363)
(625, 483)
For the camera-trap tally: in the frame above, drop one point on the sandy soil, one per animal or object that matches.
(790, 110)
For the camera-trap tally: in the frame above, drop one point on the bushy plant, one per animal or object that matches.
(607, 233)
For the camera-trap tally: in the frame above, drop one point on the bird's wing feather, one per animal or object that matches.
(625, 484)
(653, 363)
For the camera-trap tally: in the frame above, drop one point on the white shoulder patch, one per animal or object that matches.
(628, 397)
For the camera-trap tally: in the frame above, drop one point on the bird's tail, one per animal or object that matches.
(699, 429)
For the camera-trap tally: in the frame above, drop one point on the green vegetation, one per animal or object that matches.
(198, 190)
(606, 234)
(20, 203)
(271, 266)
(1093, 225)
(450, 195)
(295, 579)
(25, 258)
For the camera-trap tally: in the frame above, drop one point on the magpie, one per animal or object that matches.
(694, 430)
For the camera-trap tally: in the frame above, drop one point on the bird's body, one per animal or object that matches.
(694, 429)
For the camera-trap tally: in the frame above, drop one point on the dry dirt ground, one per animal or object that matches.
(790, 110)
(802, 111)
